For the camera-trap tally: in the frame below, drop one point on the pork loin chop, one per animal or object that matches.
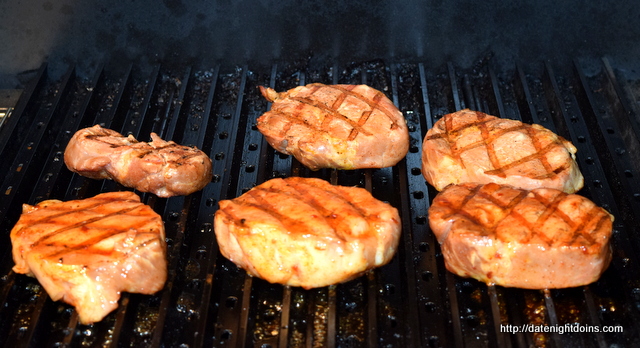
(306, 232)
(538, 239)
(471, 146)
(160, 167)
(86, 252)
(335, 126)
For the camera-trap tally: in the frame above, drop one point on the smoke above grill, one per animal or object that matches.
(413, 301)
(264, 31)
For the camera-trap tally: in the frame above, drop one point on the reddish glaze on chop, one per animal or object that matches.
(306, 232)
(160, 167)
(335, 126)
(471, 146)
(535, 239)
(86, 252)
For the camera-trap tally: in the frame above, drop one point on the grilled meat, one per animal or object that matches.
(335, 126)
(86, 252)
(538, 239)
(160, 167)
(306, 232)
(471, 146)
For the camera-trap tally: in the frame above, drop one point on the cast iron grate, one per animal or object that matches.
(413, 301)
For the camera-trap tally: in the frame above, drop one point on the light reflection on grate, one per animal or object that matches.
(8, 100)
(5, 113)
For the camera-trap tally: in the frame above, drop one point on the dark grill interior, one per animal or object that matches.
(413, 301)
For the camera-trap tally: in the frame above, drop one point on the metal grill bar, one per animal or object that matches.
(12, 130)
(30, 146)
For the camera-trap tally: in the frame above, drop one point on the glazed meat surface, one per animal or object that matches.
(335, 126)
(160, 167)
(471, 146)
(86, 252)
(306, 232)
(537, 239)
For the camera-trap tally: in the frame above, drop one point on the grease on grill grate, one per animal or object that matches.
(413, 301)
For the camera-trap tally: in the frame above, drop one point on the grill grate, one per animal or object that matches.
(413, 301)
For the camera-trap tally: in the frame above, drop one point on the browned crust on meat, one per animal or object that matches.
(116, 205)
